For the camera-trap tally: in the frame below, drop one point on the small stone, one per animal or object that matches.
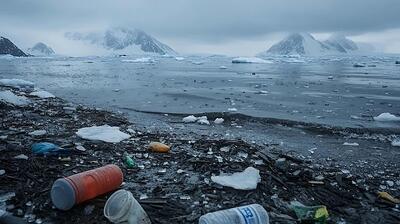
(3, 137)
(2, 172)
(390, 183)
(319, 177)
(162, 171)
(37, 133)
(224, 149)
(80, 148)
(143, 196)
(184, 197)
(180, 171)
(88, 209)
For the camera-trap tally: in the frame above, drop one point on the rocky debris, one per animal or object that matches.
(7, 47)
(173, 187)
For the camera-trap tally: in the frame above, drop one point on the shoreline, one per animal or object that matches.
(173, 197)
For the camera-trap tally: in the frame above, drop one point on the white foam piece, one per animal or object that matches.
(103, 133)
(246, 180)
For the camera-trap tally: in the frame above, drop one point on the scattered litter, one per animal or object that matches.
(80, 187)
(386, 117)
(80, 148)
(37, 133)
(246, 180)
(351, 144)
(129, 162)
(218, 121)
(254, 213)
(103, 133)
(47, 148)
(388, 197)
(42, 94)
(315, 214)
(158, 147)
(2, 172)
(17, 83)
(9, 97)
(21, 156)
(122, 207)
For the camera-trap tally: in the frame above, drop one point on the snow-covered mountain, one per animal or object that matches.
(341, 44)
(7, 47)
(123, 41)
(40, 49)
(306, 44)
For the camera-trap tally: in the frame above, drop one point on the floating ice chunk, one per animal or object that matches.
(192, 119)
(9, 97)
(232, 109)
(246, 180)
(351, 144)
(189, 119)
(179, 58)
(42, 94)
(250, 60)
(219, 120)
(222, 67)
(140, 60)
(17, 83)
(203, 120)
(103, 133)
(396, 142)
(38, 133)
(197, 62)
(386, 117)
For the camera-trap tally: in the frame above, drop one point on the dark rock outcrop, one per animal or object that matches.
(7, 47)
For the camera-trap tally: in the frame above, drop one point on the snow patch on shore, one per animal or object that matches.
(17, 83)
(42, 94)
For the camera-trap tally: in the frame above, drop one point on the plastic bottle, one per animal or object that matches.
(75, 189)
(122, 207)
(249, 214)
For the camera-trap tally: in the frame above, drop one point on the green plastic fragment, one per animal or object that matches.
(129, 162)
(310, 214)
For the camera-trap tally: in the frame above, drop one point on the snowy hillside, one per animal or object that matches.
(341, 44)
(41, 49)
(123, 41)
(306, 44)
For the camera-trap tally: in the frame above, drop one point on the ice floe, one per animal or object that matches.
(42, 94)
(140, 60)
(17, 83)
(9, 97)
(103, 133)
(192, 119)
(250, 60)
(218, 121)
(351, 144)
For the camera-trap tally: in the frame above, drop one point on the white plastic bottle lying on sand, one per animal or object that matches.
(249, 214)
(122, 207)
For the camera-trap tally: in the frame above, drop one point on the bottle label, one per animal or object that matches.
(248, 214)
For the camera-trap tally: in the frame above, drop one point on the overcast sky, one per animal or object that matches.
(233, 27)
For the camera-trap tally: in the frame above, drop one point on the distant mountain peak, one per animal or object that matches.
(8, 47)
(41, 49)
(306, 44)
(120, 38)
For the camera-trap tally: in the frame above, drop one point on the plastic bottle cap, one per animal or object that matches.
(63, 194)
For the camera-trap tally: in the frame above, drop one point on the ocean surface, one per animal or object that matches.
(257, 99)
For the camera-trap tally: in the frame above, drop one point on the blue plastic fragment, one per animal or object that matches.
(47, 148)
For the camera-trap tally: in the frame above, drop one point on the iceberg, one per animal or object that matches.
(246, 180)
(9, 97)
(103, 133)
(386, 117)
(250, 60)
(17, 83)
(42, 94)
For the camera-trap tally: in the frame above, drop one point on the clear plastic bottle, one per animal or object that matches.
(249, 214)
